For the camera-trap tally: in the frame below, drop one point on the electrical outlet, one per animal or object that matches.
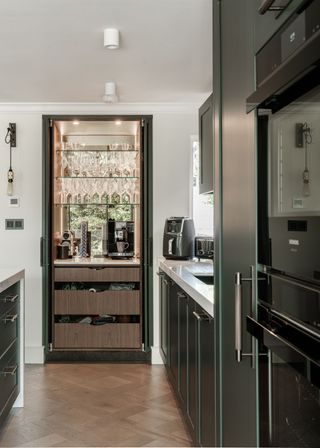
(14, 224)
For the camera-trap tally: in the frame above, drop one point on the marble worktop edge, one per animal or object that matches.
(181, 272)
(10, 276)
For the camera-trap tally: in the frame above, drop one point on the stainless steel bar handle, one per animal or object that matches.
(253, 313)
(267, 5)
(196, 315)
(10, 370)
(10, 298)
(238, 315)
(11, 318)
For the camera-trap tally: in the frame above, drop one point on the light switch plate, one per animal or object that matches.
(297, 203)
(14, 202)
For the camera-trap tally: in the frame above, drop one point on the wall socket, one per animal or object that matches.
(14, 224)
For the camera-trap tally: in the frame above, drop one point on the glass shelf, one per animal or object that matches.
(97, 204)
(97, 177)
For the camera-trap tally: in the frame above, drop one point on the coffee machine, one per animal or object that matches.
(120, 242)
(178, 238)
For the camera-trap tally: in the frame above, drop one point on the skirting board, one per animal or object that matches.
(155, 356)
(134, 356)
(34, 355)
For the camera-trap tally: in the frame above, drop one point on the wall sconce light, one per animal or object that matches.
(11, 139)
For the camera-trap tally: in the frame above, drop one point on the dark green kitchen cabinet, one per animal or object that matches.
(206, 146)
(183, 346)
(174, 335)
(205, 373)
(190, 349)
(192, 367)
(164, 283)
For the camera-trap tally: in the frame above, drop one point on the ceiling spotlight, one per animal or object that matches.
(110, 93)
(76, 122)
(118, 122)
(111, 38)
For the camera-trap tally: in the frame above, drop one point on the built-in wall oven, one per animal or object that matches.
(286, 321)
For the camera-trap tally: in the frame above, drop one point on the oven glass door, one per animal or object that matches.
(289, 388)
(289, 187)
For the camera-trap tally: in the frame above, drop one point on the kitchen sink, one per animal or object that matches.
(205, 278)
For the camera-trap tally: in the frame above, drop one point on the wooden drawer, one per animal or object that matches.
(82, 336)
(9, 327)
(106, 274)
(106, 302)
(8, 375)
(8, 298)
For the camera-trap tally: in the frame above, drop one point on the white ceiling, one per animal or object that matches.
(52, 50)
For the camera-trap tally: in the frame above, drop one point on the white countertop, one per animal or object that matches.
(182, 273)
(9, 276)
(97, 262)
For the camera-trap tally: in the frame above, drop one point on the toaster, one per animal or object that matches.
(204, 247)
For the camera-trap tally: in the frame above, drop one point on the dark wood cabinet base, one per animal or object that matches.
(131, 356)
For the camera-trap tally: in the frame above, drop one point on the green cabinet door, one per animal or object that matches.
(183, 347)
(164, 283)
(174, 335)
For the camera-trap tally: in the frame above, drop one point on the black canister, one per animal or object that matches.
(62, 252)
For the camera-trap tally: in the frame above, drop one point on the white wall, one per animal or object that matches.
(172, 160)
(173, 126)
(22, 248)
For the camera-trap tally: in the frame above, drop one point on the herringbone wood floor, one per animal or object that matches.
(96, 405)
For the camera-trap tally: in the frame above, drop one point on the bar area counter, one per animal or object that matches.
(93, 261)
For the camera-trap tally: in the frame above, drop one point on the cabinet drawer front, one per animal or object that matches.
(9, 327)
(106, 302)
(78, 336)
(8, 298)
(97, 274)
(8, 374)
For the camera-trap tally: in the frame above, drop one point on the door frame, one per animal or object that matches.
(147, 237)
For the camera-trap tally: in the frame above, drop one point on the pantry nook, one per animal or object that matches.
(97, 247)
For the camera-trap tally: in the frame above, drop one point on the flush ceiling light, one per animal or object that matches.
(118, 122)
(110, 93)
(76, 122)
(111, 38)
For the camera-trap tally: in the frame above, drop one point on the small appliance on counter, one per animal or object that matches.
(204, 247)
(62, 252)
(178, 238)
(120, 243)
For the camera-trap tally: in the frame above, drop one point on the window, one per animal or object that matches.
(202, 204)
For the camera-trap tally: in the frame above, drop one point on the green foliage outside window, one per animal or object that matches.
(97, 216)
